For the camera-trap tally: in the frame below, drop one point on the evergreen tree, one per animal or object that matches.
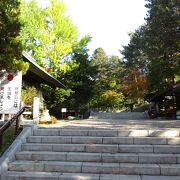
(10, 42)
(133, 54)
(108, 87)
(154, 47)
(163, 37)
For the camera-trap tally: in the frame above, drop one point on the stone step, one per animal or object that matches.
(70, 147)
(79, 176)
(102, 140)
(119, 115)
(13, 175)
(104, 133)
(94, 167)
(99, 157)
(102, 148)
(58, 156)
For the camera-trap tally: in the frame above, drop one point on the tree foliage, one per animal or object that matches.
(48, 34)
(108, 81)
(154, 47)
(10, 41)
(77, 74)
(53, 40)
(28, 94)
(163, 35)
(108, 100)
(80, 79)
(134, 86)
(133, 53)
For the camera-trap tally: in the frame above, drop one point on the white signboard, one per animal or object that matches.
(63, 110)
(10, 92)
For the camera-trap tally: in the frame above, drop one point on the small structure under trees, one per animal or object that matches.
(167, 103)
(34, 77)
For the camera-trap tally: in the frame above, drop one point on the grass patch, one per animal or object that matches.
(8, 137)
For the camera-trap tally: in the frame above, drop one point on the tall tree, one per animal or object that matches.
(134, 86)
(154, 47)
(163, 37)
(78, 75)
(10, 42)
(100, 59)
(134, 55)
(80, 79)
(48, 34)
(108, 81)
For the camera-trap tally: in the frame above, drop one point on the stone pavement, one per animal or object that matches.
(118, 124)
(155, 124)
(98, 149)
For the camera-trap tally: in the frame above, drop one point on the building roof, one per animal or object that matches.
(171, 91)
(37, 74)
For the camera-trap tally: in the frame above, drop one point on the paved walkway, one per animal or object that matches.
(118, 124)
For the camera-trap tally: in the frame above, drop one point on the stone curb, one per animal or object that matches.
(9, 154)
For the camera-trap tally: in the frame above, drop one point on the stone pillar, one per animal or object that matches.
(36, 104)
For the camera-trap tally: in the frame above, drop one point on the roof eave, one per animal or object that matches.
(41, 73)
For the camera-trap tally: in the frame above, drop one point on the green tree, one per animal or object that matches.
(134, 54)
(10, 41)
(80, 79)
(55, 99)
(28, 93)
(108, 81)
(48, 34)
(163, 37)
(109, 100)
(77, 74)
(100, 59)
(154, 47)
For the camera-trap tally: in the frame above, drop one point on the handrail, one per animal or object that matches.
(7, 124)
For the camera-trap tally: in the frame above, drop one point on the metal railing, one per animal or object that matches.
(8, 123)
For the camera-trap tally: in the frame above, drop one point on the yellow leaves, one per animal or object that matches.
(113, 95)
(67, 67)
(56, 9)
(49, 33)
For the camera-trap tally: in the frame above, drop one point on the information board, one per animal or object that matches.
(10, 92)
(63, 110)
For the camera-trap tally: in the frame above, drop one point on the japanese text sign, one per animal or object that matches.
(10, 92)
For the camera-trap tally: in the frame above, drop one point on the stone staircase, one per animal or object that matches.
(119, 115)
(97, 154)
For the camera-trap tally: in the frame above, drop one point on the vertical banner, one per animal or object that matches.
(10, 92)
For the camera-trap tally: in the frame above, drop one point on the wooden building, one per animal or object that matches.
(167, 103)
(37, 75)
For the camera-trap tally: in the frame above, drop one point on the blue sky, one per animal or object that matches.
(106, 21)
